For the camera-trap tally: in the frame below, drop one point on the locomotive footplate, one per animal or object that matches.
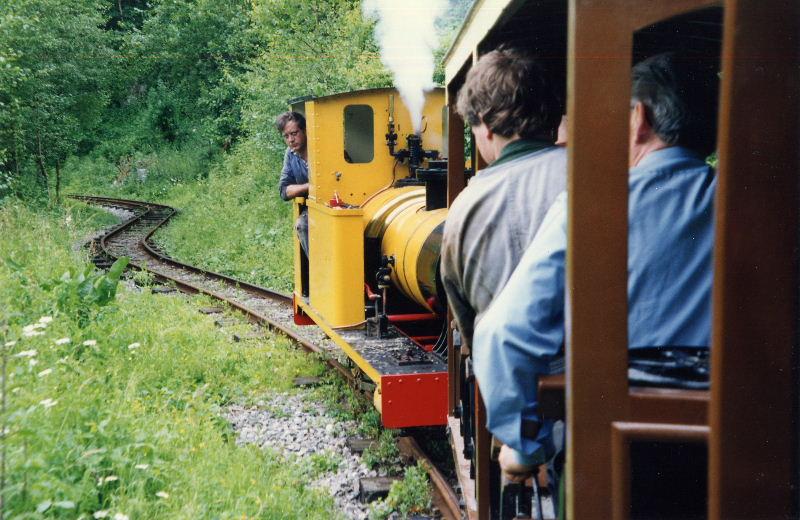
(411, 383)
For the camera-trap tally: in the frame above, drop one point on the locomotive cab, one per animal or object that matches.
(371, 278)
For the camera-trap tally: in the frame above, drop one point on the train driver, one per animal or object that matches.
(294, 175)
(513, 110)
(670, 241)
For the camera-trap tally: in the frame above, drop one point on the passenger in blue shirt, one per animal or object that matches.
(670, 242)
(294, 174)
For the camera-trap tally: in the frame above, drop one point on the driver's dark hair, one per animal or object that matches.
(282, 120)
(680, 98)
(510, 92)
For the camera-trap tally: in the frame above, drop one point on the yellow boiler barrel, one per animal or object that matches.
(398, 220)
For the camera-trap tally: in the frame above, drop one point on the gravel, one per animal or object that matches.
(295, 424)
(291, 423)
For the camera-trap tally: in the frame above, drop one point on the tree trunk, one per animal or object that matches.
(16, 146)
(40, 161)
(58, 181)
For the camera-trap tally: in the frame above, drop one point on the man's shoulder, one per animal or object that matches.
(550, 156)
(534, 168)
(546, 167)
(496, 180)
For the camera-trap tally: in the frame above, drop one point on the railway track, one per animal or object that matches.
(133, 238)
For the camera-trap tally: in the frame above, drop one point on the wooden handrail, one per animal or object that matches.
(652, 405)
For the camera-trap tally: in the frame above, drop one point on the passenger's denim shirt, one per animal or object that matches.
(670, 246)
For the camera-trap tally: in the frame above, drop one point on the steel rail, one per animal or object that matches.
(192, 288)
(443, 492)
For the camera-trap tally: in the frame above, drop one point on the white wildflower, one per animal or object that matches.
(142, 466)
(32, 333)
(33, 362)
(162, 494)
(34, 326)
(46, 372)
(46, 319)
(133, 346)
(48, 403)
(10, 344)
(63, 341)
(90, 343)
(100, 514)
(68, 220)
(120, 516)
(26, 353)
(106, 480)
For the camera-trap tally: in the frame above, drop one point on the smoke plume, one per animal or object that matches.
(407, 37)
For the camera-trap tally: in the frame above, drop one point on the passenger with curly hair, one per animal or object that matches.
(512, 106)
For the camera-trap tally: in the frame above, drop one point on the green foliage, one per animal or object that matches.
(408, 496)
(183, 61)
(79, 292)
(369, 424)
(310, 48)
(713, 159)
(384, 453)
(241, 195)
(321, 463)
(123, 414)
(55, 85)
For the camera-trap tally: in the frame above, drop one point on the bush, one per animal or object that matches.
(407, 496)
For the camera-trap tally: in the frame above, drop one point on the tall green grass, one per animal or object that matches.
(119, 413)
(234, 221)
(231, 218)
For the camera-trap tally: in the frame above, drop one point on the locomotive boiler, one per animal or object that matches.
(376, 210)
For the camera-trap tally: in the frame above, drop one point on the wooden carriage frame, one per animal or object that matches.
(749, 419)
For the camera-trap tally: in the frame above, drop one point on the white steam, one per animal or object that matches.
(407, 36)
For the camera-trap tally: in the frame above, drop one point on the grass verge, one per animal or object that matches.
(113, 410)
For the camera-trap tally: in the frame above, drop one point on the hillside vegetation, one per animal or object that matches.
(97, 94)
(111, 397)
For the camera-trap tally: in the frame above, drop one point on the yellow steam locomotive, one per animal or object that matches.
(376, 208)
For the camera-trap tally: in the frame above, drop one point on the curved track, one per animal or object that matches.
(132, 238)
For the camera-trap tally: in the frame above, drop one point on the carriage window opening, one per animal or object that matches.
(359, 134)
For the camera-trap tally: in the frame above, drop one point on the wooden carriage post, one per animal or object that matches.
(753, 448)
(455, 183)
(753, 437)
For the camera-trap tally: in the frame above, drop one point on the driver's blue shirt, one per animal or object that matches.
(294, 171)
(670, 243)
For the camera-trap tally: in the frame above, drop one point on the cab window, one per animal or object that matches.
(359, 135)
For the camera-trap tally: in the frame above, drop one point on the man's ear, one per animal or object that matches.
(640, 126)
(489, 133)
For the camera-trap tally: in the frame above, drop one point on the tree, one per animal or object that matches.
(57, 89)
(309, 48)
(183, 60)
